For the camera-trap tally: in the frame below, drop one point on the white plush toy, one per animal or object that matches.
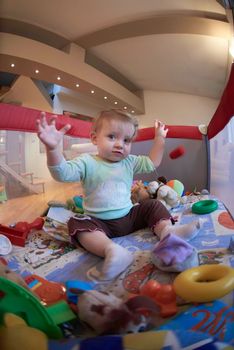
(164, 194)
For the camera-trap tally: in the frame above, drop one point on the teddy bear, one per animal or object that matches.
(139, 192)
(165, 194)
(154, 189)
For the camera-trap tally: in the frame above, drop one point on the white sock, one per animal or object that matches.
(117, 259)
(186, 231)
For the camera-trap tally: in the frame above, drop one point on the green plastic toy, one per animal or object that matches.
(17, 300)
(205, 206)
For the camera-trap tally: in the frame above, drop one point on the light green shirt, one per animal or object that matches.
(107, 185)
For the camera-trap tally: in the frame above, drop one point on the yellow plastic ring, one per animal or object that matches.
(204, 283)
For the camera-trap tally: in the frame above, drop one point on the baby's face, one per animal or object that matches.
(114, 140)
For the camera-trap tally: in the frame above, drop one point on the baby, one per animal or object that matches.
(107, 179)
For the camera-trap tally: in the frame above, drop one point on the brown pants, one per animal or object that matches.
(146, 214)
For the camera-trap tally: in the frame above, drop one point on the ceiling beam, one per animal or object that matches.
(164, 24)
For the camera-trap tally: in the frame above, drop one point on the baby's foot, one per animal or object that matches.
(117, 259)
(186, 231)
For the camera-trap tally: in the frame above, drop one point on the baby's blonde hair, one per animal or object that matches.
(115, 114)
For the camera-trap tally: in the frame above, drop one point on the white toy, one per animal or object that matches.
(165, 194)
(106, 313)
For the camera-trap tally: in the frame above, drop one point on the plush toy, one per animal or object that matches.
(107, 314)
(165, 194)
(139, 192)
(155, 189)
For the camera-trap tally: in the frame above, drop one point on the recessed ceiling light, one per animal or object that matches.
(12, 65)
(116, 102)
(36, 71)
(92, 91)
(125, 107)
(77, 85)
(58, 78)
(105, 97)
(132, 111)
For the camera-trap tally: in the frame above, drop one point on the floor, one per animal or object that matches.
(29, 207)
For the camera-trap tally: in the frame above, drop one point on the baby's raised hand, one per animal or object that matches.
(160, 129)
(48, 133)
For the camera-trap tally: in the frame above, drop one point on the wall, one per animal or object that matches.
(177, 109)
(68, 100)
(27, 93)
(172, 108)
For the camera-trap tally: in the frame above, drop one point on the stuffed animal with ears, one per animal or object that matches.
(165, 194)
(106, 313)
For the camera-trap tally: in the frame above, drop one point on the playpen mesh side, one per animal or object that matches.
(222, 165)
(191, 168)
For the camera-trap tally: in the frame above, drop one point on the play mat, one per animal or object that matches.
(48, 254)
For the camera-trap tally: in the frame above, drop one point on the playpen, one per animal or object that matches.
(206, 164)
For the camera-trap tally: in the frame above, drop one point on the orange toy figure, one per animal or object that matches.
(48, 292)
(163, 295)
(166, 300)
(150, 288)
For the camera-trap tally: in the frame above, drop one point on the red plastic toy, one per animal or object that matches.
(15, 236)
(26, 227)
(19, 233)
(49, 292)
(177, 152)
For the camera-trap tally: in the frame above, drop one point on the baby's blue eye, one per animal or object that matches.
(127, 141)
(111, 137)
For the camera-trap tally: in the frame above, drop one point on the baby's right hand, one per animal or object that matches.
(47, 132)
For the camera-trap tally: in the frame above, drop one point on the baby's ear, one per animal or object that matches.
(93, 137)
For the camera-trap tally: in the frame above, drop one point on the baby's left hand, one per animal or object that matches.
(160, 129)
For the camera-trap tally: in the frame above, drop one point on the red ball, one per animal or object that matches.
(177, 152)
